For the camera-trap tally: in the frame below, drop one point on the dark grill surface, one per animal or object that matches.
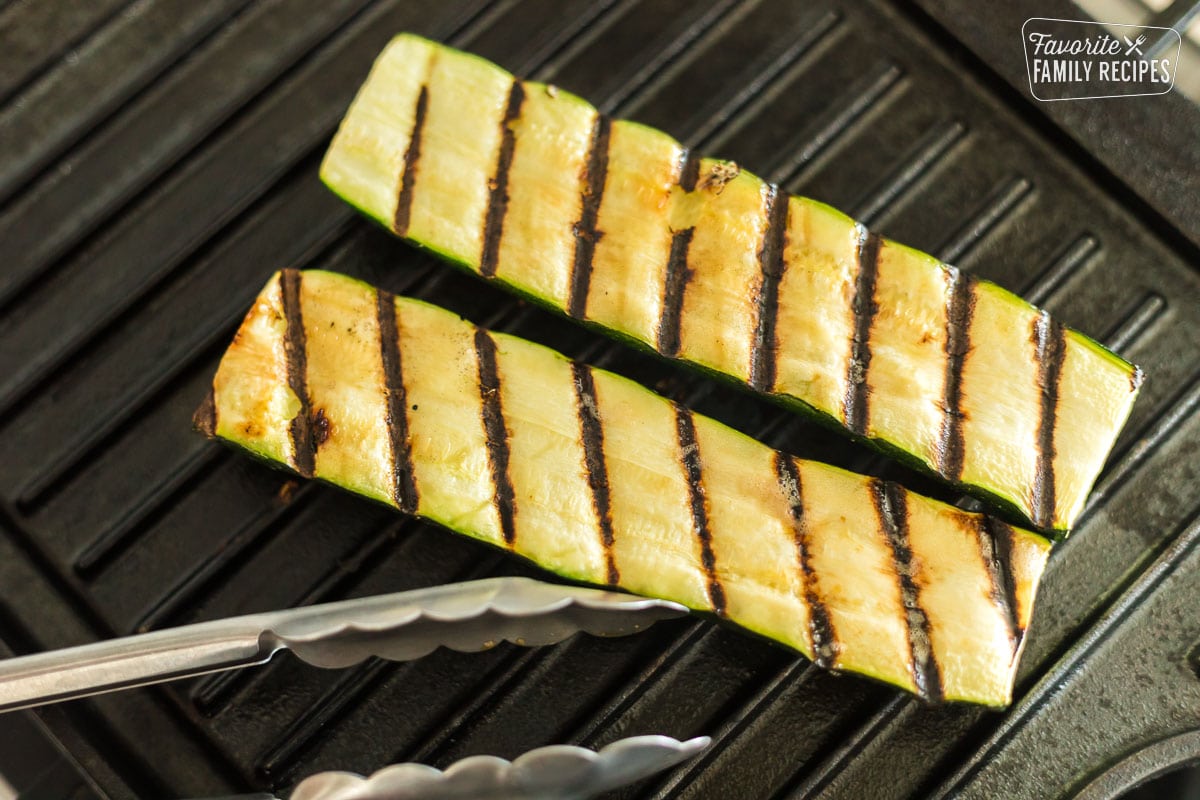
(158, 160)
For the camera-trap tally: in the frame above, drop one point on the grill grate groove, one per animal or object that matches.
(68, 103)
(1063, 268)
(101, 13)
(922, 159)
(77, 202)
(884, 80)
(1004, 200)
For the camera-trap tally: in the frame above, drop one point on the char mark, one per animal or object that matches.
(865, 307)
(295, 349)
(586, 234)
(412, 157)
(493, 227)
(597, 469)
(322, 427)
(770, 261)
(821, 636)
(689, 171)
(685, 427)
(496, 432)
(404, 486)
(1050, 342)
(960, 308)
(678, 274)
(892, 509)
(205, 418)
(996, 546)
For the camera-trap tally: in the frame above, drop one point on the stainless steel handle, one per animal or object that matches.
(128, 662)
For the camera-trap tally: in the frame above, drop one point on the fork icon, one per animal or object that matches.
(1132, 47)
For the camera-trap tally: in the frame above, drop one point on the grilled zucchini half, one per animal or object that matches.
(616, 224)
(600, 480)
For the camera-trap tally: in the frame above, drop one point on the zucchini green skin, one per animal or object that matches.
(618, 226)
(600, 480)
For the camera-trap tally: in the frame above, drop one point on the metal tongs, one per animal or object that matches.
(468, 617)
(558, 772)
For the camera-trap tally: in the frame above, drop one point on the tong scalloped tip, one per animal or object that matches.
(558, 772)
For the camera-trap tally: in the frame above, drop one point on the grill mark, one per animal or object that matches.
(689, 171)
(404, 486)
(770, 261)
(1049, 339)
(865, 307)
(295, 348)
(597, 470)
(822, 639)
(498, 196)
(685, 427)
(411, 158)
(205, 418)
(586, 234)
(496, 432)
(892, 509)
(678, 274)
(996, 545)
(960, 309)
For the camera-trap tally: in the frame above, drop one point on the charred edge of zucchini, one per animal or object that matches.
(205, 418)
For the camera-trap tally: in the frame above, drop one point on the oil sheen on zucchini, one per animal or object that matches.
(618, 225)
(598, 479)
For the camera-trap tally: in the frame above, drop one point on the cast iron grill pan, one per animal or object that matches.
(158, 161)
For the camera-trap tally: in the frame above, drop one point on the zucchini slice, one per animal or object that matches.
(600, 480)
(618, 225)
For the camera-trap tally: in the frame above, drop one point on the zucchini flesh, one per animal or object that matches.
(600, 480)
(618, 225)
